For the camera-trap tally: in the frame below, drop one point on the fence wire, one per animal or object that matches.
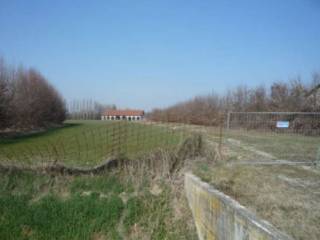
(90, 145)
(293, 136)
(235, 136)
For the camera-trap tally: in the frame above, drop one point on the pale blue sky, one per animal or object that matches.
(145, 54)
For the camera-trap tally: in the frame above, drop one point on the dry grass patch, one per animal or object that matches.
(286, 196)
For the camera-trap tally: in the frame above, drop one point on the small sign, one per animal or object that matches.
(282, 124)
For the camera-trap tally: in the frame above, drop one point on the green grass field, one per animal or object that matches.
(113, 205)
(85, 207)
(87, 143)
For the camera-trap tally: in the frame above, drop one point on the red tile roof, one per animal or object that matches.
(127, 112)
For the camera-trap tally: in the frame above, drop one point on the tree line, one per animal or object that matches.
(292, 96)
(28, 100)
(86, 109)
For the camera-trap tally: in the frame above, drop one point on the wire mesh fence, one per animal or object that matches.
(291, 136)
(238, 135)
(88, 143)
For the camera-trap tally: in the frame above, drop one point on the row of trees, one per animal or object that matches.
(281, 96)
(28, 100)
(86, 109)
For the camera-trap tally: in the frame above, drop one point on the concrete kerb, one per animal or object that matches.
(218, 216)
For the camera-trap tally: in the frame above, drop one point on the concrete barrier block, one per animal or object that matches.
(219, 217)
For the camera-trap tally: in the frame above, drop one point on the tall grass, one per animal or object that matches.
(108, 206)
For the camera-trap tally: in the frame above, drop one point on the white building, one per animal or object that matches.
(129, 115)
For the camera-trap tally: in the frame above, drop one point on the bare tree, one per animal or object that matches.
(297, 95)
(27, 100)
(87, 109)
(4, 119)
(258, 99)
(292, 96)
(279, 96)
(240, 98)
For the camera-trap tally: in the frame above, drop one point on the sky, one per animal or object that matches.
(147, 54)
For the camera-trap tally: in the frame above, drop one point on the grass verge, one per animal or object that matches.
(108, 206)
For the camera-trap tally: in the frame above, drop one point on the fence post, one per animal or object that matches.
(228, 120)
(221, 123)
(318, 159)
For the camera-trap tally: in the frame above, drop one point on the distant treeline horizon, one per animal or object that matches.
(291, 96)
(87, 109)
(28, 100)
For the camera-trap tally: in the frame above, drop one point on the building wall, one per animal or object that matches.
(132, 118)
